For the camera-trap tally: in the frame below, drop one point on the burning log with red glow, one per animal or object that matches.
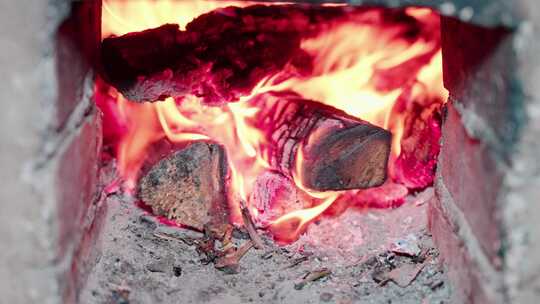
(165, 61)
(220, 56)
(339, 152)
(223, 54)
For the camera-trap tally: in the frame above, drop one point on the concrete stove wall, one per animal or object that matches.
(488, 178)
(50, 142)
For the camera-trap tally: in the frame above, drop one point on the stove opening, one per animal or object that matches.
(307, 152)
(288, 111)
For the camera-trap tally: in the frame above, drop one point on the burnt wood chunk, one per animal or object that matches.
(339, 152)
(224, 54)
(221, 55)
(188, 186)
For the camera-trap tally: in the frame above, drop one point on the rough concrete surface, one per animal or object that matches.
(519, 206)
(26, 92)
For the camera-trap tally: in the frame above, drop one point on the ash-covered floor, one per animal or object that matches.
(362, 256)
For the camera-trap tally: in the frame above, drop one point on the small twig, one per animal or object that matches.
(296, 262)
(268, 255)
(250, 227)
(229, 262)
(312, 276)
(227, 243)
(169, 237)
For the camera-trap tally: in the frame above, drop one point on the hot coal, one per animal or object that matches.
(389, 195)
(188, 186)
(415, 166)
(275, 195)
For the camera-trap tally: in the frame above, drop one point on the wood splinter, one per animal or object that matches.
(230, 261)
(312, 276)
(250, 227)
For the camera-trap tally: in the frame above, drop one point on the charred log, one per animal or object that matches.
(223, 54)
(340, 152)
(217, 67)
(188, 186)
(220, 56)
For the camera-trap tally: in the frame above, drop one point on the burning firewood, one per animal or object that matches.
(217, 66)
(339, 152)
(220, 56)
(188, 186)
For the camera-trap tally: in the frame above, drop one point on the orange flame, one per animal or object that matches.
(349, 58)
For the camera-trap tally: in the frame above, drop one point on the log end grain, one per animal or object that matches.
(349, 158)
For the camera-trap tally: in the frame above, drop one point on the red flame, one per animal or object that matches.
(364, 66)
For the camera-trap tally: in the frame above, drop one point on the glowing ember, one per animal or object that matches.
(384, 68)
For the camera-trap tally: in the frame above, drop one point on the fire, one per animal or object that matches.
(122, 17)
(363, 66)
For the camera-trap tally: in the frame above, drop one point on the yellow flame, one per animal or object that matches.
(122, 16)
(295, 222)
